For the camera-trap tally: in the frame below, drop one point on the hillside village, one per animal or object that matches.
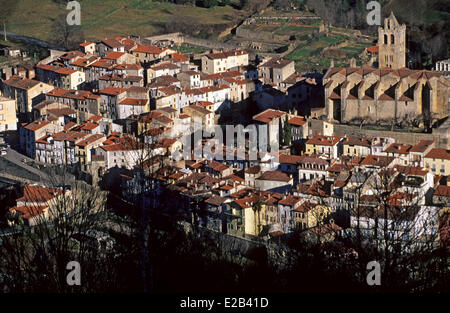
(113, 113)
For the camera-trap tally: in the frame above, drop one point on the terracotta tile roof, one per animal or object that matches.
(253, 170)
(70, 125)
(216, 200)
(30, 211)
(69, 135)
(226, 54)
(90, 140)
(411, 170)
(86, 43)
(290, 159)
(114, 55)
(377, 160)
(164, 66)
(170, 90)
(36, 125)
(297, 121)
(422, 146)
(277, 63)
(398, 148)
(21, 83)
(356, 141)
(324, 140)
(442, 191)
(179, 57)
(275, 176)
(62, 111)
(289, 201)
(89, 126)
(133, 101)
(38, 194)
(372, 49)
(147, 49)
(121, 144)
(438, 153)
(112, 43)
(268, 116)
(247, 202)
(200, 109)
(112, 91)
(305, 207)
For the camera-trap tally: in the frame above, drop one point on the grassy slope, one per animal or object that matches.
(101, 18)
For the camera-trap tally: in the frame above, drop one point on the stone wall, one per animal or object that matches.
(441, 139)
(210, 44)
(177, 38)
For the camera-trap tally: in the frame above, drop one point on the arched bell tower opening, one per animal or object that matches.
(392, 44)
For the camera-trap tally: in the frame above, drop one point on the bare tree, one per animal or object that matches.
(64, 35)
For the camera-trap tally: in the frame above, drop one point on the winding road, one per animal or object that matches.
(32, 41)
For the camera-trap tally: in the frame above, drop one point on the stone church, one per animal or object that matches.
(390, 92)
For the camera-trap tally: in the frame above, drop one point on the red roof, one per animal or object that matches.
(324, 140)
(438, 153)
(297, 120)
(398, 148)
(268, 116)
(372, 49)
(114, 55)
(132, 101)
(37, 194)
(147, 49)
(377, 160)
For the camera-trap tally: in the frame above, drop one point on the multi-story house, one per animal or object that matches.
(83, 101)
(354, 146)
(117, 57)
(311, 167)
(214, 63)
(110, 99)
(30, 132)
(308, 215)
(299, 129)
(330, 146)
(275, 181)
(85, 147)
(274, 120)
(27, 92)
(87, 47)
(119, 81)
(417, 152)
(131, 106)
(37, 205)
(438, 161)
(200, 114)
(189, 79)
(286, 207)
(60, 77)
(147, 53)
(8, 119)
(276, 70)
(124, 152)
(162, 69)
(379, 145)
(399, 151)
(59, 148)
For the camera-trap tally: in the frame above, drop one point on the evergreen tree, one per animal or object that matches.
(287, 129)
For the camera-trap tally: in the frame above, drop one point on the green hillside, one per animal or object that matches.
(100, 18)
